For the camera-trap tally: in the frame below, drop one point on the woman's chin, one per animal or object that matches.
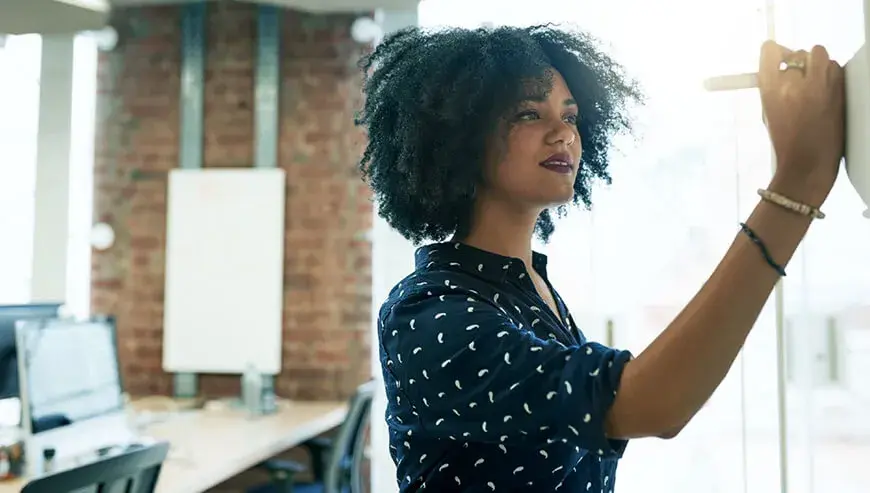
(561, 197)
(551, 197)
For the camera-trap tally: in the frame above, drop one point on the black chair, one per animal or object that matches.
(133, 471)
(49, 422)
(336, 463)
(8, 361)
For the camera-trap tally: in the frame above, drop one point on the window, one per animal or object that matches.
(20, 61)
(653, 237)
(19, 98)
(827, 301)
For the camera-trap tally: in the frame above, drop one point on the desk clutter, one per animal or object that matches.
(65, 420)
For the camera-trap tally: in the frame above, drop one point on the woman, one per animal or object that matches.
(480, 135)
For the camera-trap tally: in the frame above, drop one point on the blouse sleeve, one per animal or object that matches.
(471, 373)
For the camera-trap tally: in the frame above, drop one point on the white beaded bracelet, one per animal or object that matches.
(792, 205)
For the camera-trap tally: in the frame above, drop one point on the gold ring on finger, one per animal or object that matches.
(794, 63)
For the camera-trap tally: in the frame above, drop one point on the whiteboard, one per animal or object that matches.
(224, 287)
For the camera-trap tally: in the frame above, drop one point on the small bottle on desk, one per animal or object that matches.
(270, 404)
(48, 454)
(252, 391)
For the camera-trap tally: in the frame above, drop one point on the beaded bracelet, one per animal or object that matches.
(767, 257)
(792, 205)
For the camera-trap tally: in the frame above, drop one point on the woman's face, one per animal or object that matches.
(535, 167)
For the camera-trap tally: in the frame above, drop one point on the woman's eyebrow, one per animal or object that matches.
(543, 98)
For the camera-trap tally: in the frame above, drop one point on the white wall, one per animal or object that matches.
(81, 176)
(51, 221)
(64, 172)
(392, 259)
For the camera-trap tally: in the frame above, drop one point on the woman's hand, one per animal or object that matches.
(804, 110)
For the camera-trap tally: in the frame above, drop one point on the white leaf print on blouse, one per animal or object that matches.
(509, 356)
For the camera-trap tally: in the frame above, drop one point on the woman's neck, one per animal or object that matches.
(502, 230)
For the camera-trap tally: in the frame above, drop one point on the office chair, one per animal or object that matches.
(337, 464)
(8, 362)
(133, 471)
(49, 422)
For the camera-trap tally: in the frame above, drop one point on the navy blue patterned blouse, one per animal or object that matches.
(489, 390)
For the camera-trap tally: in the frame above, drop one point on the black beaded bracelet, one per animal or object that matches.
(755, 239)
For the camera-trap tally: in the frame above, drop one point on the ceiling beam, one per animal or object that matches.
(52, 16)
(306, 5)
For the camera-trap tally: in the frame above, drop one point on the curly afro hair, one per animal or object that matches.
(434, 98)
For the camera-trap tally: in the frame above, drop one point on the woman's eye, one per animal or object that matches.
(534, 115)
(528, 115)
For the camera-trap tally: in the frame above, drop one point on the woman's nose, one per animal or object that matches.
(562, 133)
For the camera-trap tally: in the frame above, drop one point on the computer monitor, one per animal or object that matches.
(9, 315)
(68, 372)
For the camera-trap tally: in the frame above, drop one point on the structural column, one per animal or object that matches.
(51, 218)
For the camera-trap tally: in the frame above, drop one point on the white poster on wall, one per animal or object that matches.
(224, 289)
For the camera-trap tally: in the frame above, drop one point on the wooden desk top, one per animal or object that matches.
(211, 446)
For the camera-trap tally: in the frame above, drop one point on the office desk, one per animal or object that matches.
(211, 446)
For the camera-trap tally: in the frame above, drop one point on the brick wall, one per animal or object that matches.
(328, 258)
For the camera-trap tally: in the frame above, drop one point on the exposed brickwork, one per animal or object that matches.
(328, 258)
(137, 143)
(327, 279)
(229, 85)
